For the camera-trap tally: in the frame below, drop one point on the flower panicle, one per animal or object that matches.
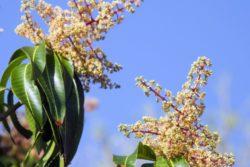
(179, 132)
(72, 33)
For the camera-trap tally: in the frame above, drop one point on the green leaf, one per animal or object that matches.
(142, 152)
(21, 53)
(48, 153)
(16, 59)
(23, 131)
(27, 156)
(31, 121)
(68, 75)
(38, 59)
(3, 83)
(52, 84)
(179, 162)
(50, 130)
(73, 124)
(54, 160)
(36, 55)
(6, 76)
(162, 162)
(2, 89)
(24, 88)
(175, 162)
(68, 66)
(61, 164)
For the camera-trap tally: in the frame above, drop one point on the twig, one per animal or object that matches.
(4, 115)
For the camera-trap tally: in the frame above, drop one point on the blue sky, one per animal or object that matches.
(160, 41)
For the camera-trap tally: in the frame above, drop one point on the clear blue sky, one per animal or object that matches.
(160, 41)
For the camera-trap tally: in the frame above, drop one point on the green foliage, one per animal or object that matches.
(23, 131)
(141, 152)
(144, 152)
(52, 82)
(23, 86)
(46, 84)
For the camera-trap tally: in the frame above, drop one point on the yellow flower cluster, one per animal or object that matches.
(72, 33)
(179, 132)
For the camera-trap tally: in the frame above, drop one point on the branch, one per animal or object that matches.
(146, 132)
(162, 98)
(11, 110)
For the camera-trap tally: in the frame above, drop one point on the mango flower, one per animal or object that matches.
(72, 33)
(179, 132)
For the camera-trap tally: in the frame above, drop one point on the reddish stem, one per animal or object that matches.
(145, 132)
(162, 98)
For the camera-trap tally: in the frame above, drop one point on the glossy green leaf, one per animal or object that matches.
(74, 118)
(50, 129)
(15, 61)
(24, 88)
(17, 58)
(22, 52)
(162, 162)
(31, 121)
(142, 152)
(36, 55)
(68, 66)
(3, 83)
(52, 84)
(73, 124)
(68, 75)
(6, 77)
(51, 93)
(54, 160)
(22, 130)
(38, 59)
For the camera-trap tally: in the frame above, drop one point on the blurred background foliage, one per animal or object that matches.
(13, 147)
